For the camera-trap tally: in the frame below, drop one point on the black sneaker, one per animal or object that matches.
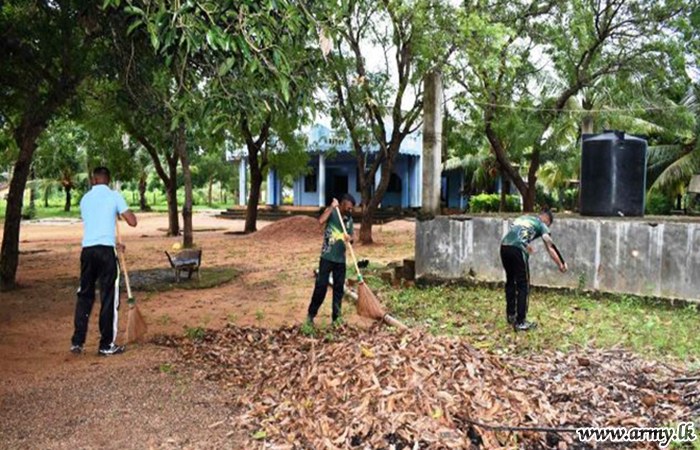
(76, 349)
(511, 319)
(525, 326)
(112, 350)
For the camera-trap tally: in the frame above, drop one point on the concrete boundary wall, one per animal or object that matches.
(660, 259)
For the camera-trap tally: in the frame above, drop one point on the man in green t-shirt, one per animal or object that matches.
(333, 256)
(515, 251)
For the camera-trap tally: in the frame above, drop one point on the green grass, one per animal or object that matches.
(211, 277)
(57, 202)
(194, 333)
(47, 213)
(567, 320)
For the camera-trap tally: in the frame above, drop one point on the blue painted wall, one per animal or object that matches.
(406, 167)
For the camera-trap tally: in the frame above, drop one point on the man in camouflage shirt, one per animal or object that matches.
(515, 252)
(333, 256)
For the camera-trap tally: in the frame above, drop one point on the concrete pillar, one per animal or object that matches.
(405, 183)
(462, 204)
(243, 181)
(321, 185)
(297, 190)
(432, 142)
(271, 188)
(414, 169)
(278, 190)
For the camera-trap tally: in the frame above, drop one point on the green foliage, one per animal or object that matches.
(570, 201)
(166, 368)
(659, 203)
(483, 203)
(259, 316)
(624, 61)
(308, 330)
(195, 333)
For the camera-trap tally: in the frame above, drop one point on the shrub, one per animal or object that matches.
(659, 204)
(570, 199)
(482, 203)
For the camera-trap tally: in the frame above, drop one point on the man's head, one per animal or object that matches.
(347, 203)
(100, 175)
(547, 217)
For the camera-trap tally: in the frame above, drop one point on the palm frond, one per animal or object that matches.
(679, 172)
(660, 154)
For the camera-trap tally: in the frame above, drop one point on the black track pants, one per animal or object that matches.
(517, 281)
(98, 264)
(325, 268)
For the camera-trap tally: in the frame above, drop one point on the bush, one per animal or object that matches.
(482, 203)
(570, 199)
(659, 204)
(545, 199)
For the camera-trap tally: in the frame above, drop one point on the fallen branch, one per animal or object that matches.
(507, 428)
(686, 380)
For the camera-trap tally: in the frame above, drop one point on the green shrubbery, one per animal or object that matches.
(482, 203)
(658, 204)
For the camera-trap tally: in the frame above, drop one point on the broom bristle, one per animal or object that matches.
(136, 327)
(367, 304)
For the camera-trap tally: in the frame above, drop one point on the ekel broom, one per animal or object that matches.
(136, 327)
(367, 304)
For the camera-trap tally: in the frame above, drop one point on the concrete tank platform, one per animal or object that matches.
(649, 256)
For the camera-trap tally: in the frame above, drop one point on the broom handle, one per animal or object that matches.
(352, 252)
(122, 261)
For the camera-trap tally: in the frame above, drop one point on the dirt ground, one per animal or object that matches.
(50, 399)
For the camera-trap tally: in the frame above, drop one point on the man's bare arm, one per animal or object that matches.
(549, 244)
(327, 213)
(130, 218)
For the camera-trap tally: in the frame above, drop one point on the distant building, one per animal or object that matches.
(333, 172)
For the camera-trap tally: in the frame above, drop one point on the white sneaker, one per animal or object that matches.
(111, 350)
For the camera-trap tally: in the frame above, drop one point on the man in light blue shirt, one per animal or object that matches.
(98, 262)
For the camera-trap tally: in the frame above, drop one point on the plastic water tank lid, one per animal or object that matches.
(607, 134)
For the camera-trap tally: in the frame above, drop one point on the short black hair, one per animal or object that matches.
(547, 212)
(349, 198)
(101, 172)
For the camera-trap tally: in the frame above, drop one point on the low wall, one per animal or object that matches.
(641, 257)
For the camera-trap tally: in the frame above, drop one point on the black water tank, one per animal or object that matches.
(613, 174)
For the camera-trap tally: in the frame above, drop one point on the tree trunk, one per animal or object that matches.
(171, 196)
(25, 137)
(587, 124)
(68, 189)
(529, 200)
(47, 192)
(373, 204)
(505, 190)
(211, 193)
(169, 179)
(256, 148)
(366, 226)
(143, 201)
(251, 214)
(367, 215)
(181, 142)
(32, 193)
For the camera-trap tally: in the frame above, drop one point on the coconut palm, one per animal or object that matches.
(671, 166)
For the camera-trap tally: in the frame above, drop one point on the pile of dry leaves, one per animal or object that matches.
(376, 389)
